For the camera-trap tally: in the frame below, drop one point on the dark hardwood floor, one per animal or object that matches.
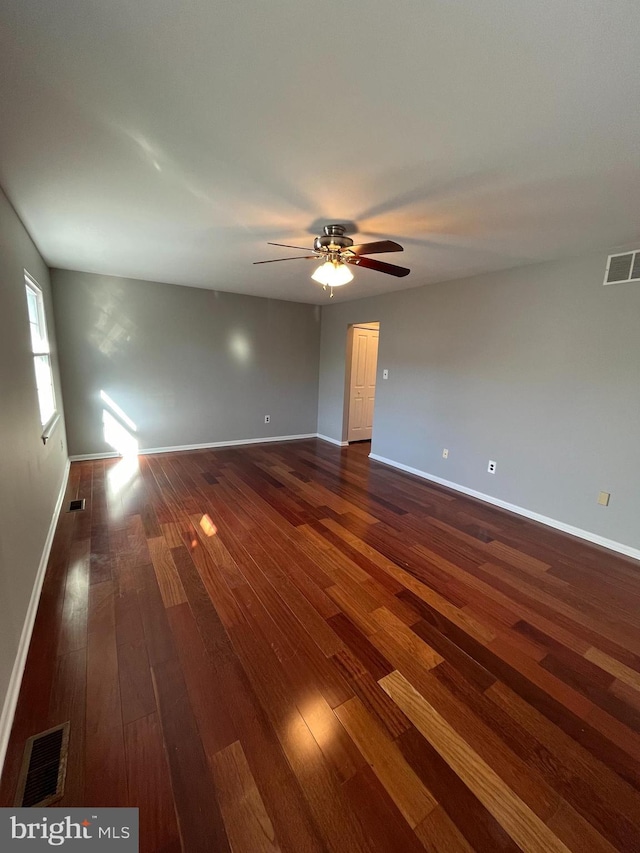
(287, 647)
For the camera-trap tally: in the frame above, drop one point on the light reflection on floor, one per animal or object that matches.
(208, 527)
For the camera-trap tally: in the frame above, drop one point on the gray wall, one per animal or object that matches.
(186, 365)
(537, 368)
(30, 472)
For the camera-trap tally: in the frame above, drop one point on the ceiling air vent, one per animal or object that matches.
(623, 267)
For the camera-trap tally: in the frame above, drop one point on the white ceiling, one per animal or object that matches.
(170, 139)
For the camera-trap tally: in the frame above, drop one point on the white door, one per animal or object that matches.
(362, 396)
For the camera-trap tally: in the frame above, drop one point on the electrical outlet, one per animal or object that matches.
(385, 373)
(603, 498)
(491, 467)
(267, 419)
(445, 453)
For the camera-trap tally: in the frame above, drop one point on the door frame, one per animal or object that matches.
(347, 373)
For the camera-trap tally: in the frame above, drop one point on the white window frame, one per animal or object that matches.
(41, 352)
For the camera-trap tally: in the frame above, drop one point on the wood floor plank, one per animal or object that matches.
(100, 556)
(136, 688)
(69, 704)
(150, 786)
(169, 581)
(283, 797)
(382, 822)
(129, 625)
(157, 634)
(338, 748)
(105, 774)
(576, 831)
(516, 818)
(439, 834)
(398, 779)
(196, 801)
(214, 721)
(517, 558)
(468, 712)
(616, 668)
(585, 783)
(362, 649)
(465, 811)
(73, 630)
(408, 639)
(339, 826)
(372, 696)
(248, 824)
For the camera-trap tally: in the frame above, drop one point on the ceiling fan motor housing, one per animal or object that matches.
(333, 239)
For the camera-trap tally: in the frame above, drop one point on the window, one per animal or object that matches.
(41, 351)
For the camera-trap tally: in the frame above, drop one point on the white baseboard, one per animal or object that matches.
(619, 547)
(85, 457)
(90, 457)
(13, 691)
(332, 440)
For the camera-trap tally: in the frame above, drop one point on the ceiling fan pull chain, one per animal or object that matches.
(331, 294)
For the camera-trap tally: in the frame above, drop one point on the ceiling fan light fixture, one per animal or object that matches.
(333, 274)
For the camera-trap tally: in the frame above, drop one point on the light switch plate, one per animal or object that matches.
(385, 373)
(603, 498)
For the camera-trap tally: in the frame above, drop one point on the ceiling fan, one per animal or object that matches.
(336, 251)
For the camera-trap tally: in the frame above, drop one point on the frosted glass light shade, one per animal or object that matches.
(333, 274)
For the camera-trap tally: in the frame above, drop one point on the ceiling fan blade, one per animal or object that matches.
(287, 246)
(277, 260)
(375, 248)
(380, 266)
